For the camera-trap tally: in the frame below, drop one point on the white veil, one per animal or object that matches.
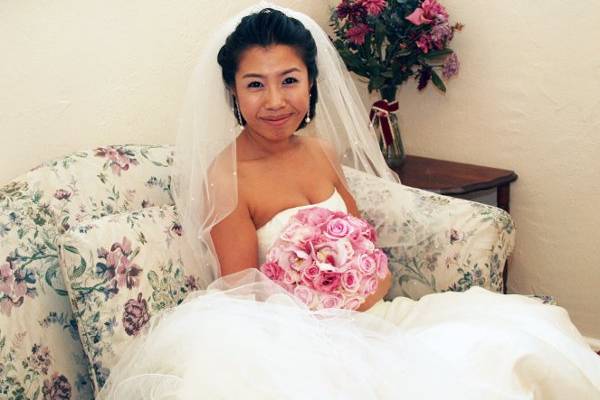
(204, 171)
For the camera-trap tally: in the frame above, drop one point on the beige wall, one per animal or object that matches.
(77, 74)
(528, 98)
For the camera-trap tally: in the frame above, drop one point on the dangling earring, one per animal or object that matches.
(307, 118)
(238, 113)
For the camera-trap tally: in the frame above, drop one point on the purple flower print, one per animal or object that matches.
(119, 158)
(128, 274)
(135, 315)
(58, 388)
(39, 360)
(62, 194)
(13, 286)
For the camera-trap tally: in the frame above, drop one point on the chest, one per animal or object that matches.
(271, 186)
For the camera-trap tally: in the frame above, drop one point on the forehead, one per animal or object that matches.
(270, 59)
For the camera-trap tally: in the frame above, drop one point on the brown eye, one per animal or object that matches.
(254, 84)
(290, 80)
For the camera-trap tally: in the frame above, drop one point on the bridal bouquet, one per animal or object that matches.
(327, 259)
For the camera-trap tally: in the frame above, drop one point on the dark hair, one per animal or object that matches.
(266, 28)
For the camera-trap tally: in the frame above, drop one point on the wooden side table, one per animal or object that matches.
(452, 179)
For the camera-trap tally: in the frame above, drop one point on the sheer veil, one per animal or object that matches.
(204, 171)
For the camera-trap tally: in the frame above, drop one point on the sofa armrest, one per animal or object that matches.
(434, 243)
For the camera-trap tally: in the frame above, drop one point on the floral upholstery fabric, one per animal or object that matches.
(434, 243)
(41, 356)
(119, 271)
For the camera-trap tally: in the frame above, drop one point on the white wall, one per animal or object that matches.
(77, 74)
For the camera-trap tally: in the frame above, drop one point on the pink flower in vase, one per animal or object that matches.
(373, 7)
(433, 10)
(451, 66)
(357, 34)
(429, 12)
(424, 43)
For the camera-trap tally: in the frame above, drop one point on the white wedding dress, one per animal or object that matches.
(257, 342)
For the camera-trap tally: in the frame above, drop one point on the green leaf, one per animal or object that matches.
(437, 81)
(153, 279)
(51, 273)
(80, 269)
(376, 83)
(437, 53)
(70, 249)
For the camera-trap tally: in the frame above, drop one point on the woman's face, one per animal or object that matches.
(272, 90)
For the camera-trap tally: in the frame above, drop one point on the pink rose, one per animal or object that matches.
(338, 228)
(314, 216)
(327, 282)
(350, 281)
(272, 270)
(298, 232)
(354, 302)
(369, 286)
(306, 295)
(331, 301)
(382, 263)
(366, 264)
(311, 272)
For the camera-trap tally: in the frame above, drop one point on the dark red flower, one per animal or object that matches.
(135, 315)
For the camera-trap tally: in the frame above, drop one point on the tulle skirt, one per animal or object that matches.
(247, 339)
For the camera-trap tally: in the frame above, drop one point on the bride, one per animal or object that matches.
(264, 134)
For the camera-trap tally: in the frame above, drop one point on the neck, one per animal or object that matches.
(262, 147)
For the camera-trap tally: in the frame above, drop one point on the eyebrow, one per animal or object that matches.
(287, 71)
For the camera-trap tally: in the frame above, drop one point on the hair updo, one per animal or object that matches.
(266, 28)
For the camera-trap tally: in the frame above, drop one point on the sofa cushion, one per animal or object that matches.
(121, 270)
(434, 243)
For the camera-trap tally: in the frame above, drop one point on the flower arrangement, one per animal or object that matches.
(389, 41)
(326, 259)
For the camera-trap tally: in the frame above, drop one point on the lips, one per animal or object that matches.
(277, 119)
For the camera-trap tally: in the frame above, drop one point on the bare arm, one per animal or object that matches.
(235, 241)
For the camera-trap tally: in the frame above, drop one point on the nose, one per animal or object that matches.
(275, 98)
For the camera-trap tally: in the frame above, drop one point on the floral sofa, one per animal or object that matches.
(90, 249)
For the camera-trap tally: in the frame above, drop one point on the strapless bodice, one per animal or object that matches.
(269, 232)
